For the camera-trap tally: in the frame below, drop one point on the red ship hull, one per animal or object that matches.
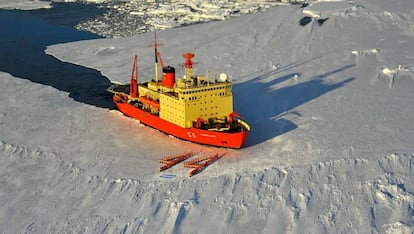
(201, 136)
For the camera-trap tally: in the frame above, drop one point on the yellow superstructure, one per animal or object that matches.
(189, 100)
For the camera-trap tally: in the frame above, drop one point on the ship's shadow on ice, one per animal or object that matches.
(24, 38)
(270, 110)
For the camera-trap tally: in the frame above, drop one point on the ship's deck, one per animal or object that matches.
(118, 88)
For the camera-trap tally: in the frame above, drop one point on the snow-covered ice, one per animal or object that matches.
(24, 4)
(330, 151)
(126, 18)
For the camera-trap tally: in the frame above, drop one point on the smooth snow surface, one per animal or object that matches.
(330, 151)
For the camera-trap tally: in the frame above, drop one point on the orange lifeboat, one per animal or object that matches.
(155, 103)
(150, 102)
(145, 100)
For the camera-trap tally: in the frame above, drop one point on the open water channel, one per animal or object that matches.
(24, 36)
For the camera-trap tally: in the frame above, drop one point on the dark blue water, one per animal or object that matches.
(24, 36)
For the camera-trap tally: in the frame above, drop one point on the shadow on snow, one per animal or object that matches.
(24, 37)
(266, 108)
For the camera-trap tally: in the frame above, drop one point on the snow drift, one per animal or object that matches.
(330, 148)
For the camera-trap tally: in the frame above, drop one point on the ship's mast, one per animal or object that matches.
(156, 57)
(188, 65)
